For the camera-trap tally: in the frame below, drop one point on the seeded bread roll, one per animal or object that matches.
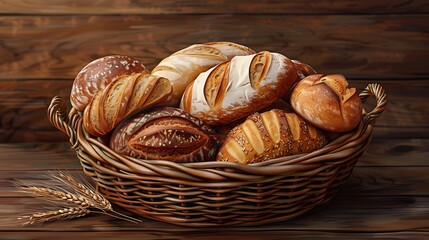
(121, 98)
(327, 102)
(272, 134)
(98, 74)
(237, 88)
(166, 134)
(182, 67)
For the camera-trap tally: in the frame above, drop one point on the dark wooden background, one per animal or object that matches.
(44, 44)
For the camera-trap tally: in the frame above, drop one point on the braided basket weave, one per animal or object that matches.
(219, 193)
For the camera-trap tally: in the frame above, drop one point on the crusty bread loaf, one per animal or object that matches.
(327, 102)
(123, 96)
(98, 74)
(183, 67)
(304, 69)
(272, 134)
(165, 134)
(237, 88)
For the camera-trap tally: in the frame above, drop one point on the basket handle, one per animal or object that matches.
(57, 115)
(376, 90)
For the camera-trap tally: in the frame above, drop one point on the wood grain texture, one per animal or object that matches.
(212, 7)
(59, 46)
(358, 214)
(23, 106)
(226, 235)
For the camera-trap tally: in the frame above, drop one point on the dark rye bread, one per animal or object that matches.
(165, 134)
(121, 98)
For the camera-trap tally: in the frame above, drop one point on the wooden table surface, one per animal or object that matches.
(44, 44)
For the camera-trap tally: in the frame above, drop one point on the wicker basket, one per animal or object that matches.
(219, 193)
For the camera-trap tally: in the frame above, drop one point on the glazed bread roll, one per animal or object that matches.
(272, 134)
(98, 74)
(239, 87)
(122, 97)
(183, 67)
(166, 134)
(327, 102)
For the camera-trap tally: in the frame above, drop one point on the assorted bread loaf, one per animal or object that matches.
(327, 102)
(225, 86)
(122, 97)
(272, 134)
(239, 87)
(98, 74)
(183, 66)
(166, 134)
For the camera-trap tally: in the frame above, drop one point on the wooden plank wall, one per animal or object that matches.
(44, 44)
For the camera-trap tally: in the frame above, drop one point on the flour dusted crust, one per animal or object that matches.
(237, 88)
(183, 66)
(96, 75)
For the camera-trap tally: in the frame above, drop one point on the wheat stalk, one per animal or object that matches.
(55, 195)
(61, 214)
(78, 196)
(97, 200)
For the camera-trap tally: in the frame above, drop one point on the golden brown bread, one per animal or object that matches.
(122, 97)
(165, 134)
(304, 69)
(272, 134)
(237, 88)
(97, 74)
(327, 102)
(183, 67)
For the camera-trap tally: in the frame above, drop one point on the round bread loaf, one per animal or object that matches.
(98, 74)
(165, 134)
(327, 102)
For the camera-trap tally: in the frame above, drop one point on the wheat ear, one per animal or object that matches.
(61, 214)
(50, 194)
(97, 200)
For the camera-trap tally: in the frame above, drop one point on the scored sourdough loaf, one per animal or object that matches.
(237, 88)
(183, 66)
(272, 134)
(327, 102)
(97, 74)
(122, 97)
(165, 134)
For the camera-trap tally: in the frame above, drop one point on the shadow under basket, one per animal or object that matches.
(208, 194)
